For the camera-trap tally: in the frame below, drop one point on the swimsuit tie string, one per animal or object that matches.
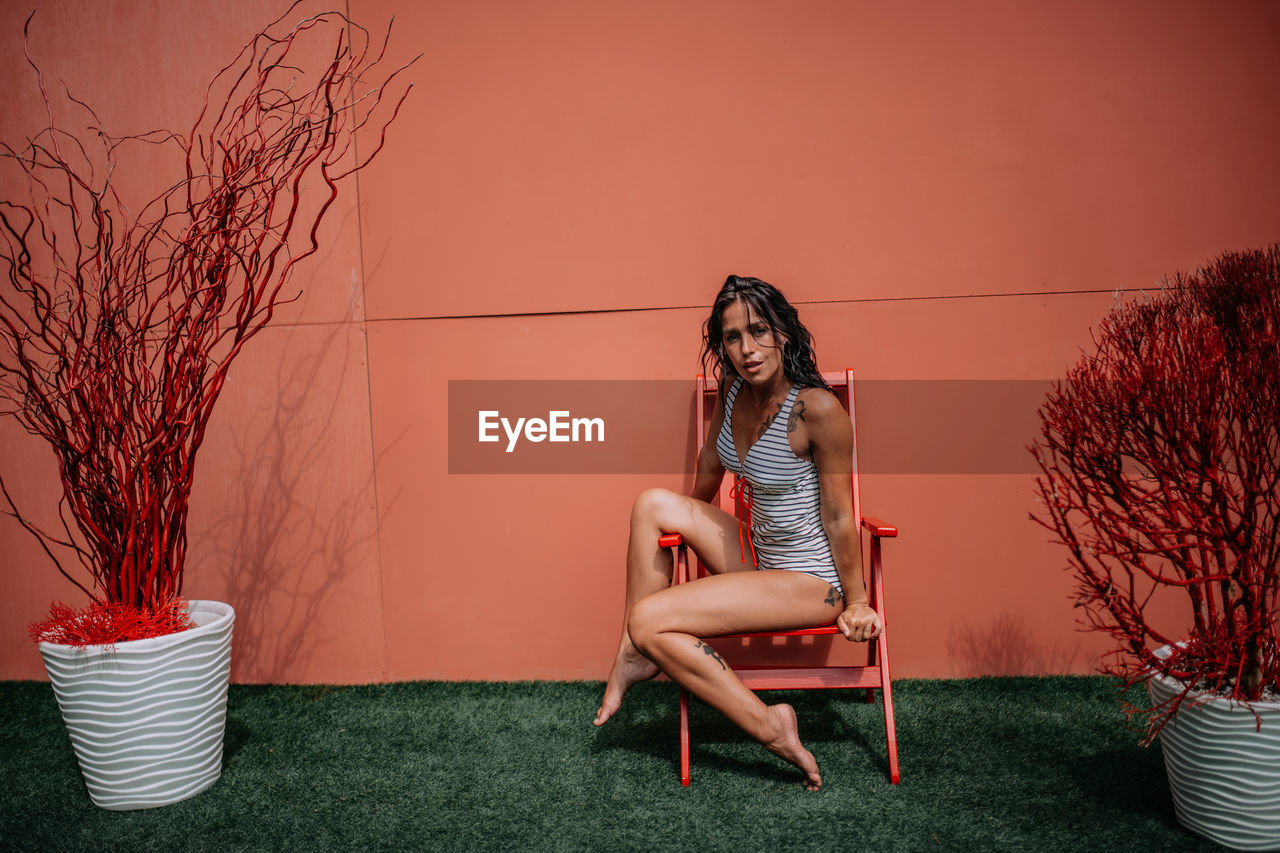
(744, 494)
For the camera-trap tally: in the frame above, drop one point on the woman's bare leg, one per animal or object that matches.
(708, 530)
(666, 627)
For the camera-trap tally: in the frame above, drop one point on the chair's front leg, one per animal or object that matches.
(680, 574)
(882, 647)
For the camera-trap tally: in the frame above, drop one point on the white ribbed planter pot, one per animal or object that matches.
(1223, 772)
(147, 717)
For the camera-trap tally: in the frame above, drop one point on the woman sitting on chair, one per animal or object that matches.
(778, 425)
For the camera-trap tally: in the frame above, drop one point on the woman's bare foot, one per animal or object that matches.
(630, 667)
(787, 745)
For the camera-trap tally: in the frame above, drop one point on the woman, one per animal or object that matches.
(778, 425)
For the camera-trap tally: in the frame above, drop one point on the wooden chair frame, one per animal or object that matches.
(874, 674)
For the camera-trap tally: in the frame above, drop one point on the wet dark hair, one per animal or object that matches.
(767, 303)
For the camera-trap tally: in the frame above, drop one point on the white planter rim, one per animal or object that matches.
(1196, 697)
(210, 618)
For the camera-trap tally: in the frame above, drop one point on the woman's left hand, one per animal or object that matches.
(859, 623)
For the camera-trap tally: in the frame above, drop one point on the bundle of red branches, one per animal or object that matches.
(117, 329)
(1160, 456)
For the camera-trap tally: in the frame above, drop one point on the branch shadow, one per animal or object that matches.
(1006, 646)
(278, 553)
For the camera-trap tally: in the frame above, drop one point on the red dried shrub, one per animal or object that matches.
(118, 322)
(106, 623)
(1160, 461)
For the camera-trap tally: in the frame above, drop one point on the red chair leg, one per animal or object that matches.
(684, 737)
(891, 733)
(882, 648)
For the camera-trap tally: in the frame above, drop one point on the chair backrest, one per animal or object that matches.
(841, 384)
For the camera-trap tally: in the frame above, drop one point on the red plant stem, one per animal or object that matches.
(1160, 461)
(117, 331)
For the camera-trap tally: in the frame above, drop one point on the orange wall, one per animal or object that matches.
(950, 191)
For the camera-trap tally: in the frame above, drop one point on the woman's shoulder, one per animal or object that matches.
(821, 412)
(820, 403)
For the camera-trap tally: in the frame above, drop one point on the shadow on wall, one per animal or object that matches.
(290, 536)
(1007, 647)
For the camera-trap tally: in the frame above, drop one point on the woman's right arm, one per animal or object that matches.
(710, 472)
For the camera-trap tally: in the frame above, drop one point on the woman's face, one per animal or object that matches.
(754, 350)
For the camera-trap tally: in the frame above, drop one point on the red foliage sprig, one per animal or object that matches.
(117, 328)
(106, 623)
(1160, 456)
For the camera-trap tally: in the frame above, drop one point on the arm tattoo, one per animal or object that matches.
(797, 415)
(768, 419)
(710, 651)
(833, 597)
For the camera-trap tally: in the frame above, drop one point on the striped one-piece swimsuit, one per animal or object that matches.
(786, 519)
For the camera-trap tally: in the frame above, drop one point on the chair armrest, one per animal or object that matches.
(670, 540)
(878, 527)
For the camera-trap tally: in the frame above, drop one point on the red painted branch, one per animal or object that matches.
(1160, 461)
(117, 332)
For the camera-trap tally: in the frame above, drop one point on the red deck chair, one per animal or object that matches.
(875, 674)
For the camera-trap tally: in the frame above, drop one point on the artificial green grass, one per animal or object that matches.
(987, 764)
